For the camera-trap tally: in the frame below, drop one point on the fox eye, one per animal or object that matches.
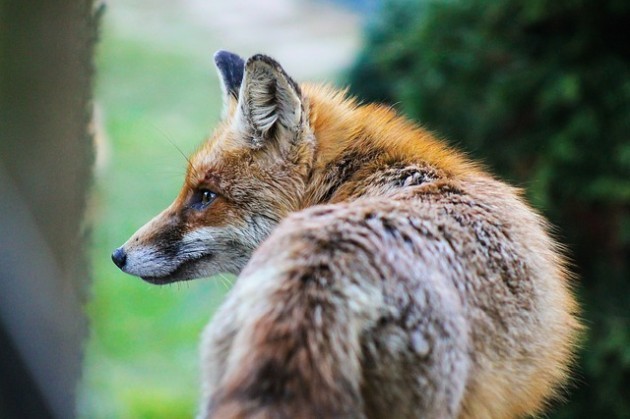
(207, 197)
(202, 199)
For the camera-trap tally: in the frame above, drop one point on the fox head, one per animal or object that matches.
(239, 184)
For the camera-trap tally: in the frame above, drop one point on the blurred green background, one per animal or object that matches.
(157, 95)
(157, 98)
(538, 90)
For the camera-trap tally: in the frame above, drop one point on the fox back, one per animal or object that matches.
(381, 273)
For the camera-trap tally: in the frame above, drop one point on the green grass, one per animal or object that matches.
(141, 357)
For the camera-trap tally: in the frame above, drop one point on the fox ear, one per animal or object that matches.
(268, 98)
(230, 67)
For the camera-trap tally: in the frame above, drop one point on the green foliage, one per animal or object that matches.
(540, 91)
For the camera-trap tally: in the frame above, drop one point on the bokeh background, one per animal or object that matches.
(538, 90)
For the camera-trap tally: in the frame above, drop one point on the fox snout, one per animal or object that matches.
(179, 244)
(164, 251)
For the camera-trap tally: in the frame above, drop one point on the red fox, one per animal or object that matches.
(381, 273)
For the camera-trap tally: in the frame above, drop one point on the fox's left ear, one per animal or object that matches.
(269, 99)
(230, 67)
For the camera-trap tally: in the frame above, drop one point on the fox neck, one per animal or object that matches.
(354, 142)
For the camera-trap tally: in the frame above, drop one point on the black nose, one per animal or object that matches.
(119, 257)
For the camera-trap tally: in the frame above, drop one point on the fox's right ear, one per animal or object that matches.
(230, 67)
(269, 102)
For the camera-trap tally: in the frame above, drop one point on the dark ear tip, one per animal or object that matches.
(231, 68)
(222, 57)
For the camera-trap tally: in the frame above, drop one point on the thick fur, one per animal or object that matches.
(390, 276)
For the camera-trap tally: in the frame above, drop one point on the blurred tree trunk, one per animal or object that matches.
(46, 50)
